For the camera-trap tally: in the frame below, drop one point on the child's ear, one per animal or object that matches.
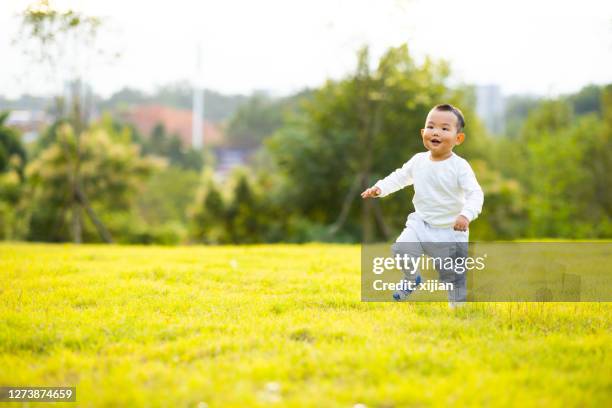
(460, 137)
(422, 132)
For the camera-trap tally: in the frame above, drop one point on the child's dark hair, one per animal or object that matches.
(447, 107)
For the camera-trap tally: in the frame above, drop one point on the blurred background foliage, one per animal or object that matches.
(81, 180)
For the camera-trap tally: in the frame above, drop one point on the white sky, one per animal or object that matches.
(525, 46)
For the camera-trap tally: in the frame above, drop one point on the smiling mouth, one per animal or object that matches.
(435, 142)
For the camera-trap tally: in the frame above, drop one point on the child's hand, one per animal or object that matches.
(461, 223)
(371, 192)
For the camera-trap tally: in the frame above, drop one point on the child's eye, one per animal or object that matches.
(444, 128)
(429, 127)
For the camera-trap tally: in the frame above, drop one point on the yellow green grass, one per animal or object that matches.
(278, 325)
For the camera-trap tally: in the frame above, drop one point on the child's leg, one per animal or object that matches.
(442, 244)
(457, 275)
(408, 247)
(409, 252)
(458, 292)
(458, 295)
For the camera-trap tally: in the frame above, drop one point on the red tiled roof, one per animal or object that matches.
(176, 121)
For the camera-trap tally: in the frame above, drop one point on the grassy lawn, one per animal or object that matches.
(278, 325)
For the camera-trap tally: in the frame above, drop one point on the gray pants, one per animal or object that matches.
(420, 238)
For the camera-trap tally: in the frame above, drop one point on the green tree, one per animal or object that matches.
(12, 153)
(516, 110)
(260, 117)
(12, 163)
(167, 195)
(243, 213)
(171, 147)
(564, 172)
(111, 175)
(58, 39)
(587, 100)
(355, 131)
(209, 218)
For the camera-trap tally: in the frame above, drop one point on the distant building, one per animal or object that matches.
(175, 121)
(180, 122)
(29, 122)
(228, 158)
(490, 107)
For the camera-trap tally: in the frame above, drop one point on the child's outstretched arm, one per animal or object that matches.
(397, 180)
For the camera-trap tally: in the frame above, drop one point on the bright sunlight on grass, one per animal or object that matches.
(278, 325)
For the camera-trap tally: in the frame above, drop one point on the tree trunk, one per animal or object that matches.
(366, 217)
(346, 205)
(77, 232)
(363, 82)
(381, 221)
(104, 233)
(79, 197)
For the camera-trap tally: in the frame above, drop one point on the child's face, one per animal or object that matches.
(440, 134)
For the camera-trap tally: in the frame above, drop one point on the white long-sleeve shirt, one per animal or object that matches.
(443, 189)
